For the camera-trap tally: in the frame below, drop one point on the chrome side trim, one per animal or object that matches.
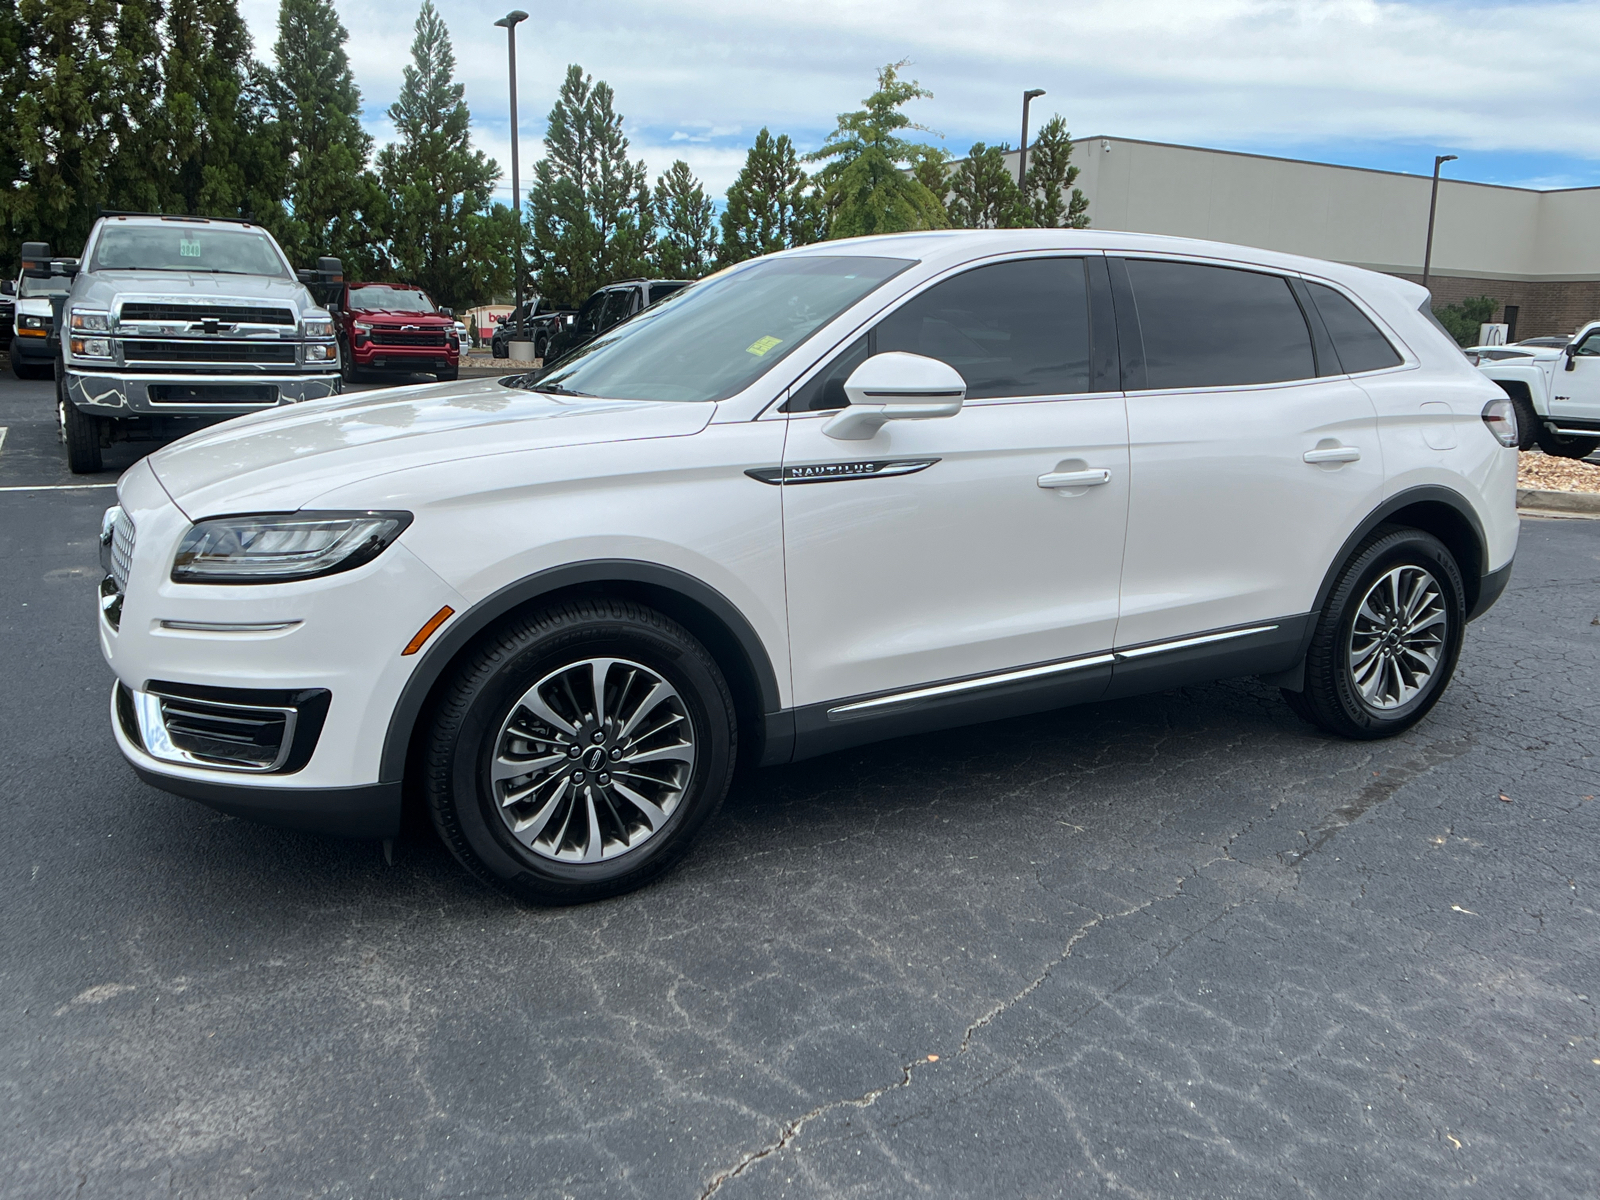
(230, 626)
(1185, 643)
(1577, 432)
(863, 707)
(833, 472)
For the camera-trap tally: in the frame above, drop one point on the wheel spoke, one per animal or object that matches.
(535, 703)
(658, 693)
(682, 752)
(653, 816)
(598, 670)
(510, 768)
(529, 830)
(592, 849)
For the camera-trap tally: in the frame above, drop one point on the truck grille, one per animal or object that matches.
(393, 337)
(212, 393)
(209, 352)
(232, 314)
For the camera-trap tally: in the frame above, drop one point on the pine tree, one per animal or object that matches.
(134, 175)
(770, 204)
(688, 243)
(1050, 174)
(336, 204)
(15, 79)
(983, 195)
(589, 209)
(865, 188)
(439, 185)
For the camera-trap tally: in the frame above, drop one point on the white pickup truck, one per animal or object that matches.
(1556, 391)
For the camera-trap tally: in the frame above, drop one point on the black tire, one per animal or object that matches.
(1557, 446)
(499, 349)
(81, 433)
(1528, 422)
(448, 375)
(348, 371)
(27, 370)
(1332, 698)
(486, 693)
(541, 344)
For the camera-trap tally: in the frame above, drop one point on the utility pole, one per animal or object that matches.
(509, 23)
(1433, 203)
(1022, 160)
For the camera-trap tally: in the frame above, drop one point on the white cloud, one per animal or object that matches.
(697, 79)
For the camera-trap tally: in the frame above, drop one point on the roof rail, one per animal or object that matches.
(112, 212)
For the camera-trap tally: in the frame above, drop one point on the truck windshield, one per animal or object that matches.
(715, 338)
(182, 246)
(389, 299)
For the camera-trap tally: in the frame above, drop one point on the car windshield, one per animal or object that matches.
(390, 299)
(57, 285)
(188, 247)
(715, 338)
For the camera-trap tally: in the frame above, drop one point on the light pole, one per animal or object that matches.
(509, 23)
(1433, 202)
(1022, 161)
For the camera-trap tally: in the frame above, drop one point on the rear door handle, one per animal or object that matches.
(1333, 454)
(1066, 479)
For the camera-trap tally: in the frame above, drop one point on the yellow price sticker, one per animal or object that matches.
(762, 345)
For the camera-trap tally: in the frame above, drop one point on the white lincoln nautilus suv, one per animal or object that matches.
(843, 493)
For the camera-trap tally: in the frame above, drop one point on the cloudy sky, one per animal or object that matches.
(1510, 87)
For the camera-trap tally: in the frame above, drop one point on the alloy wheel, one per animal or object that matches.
(1398, 637)
(592, 760)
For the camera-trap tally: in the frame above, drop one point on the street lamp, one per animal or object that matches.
(1022, 162)
(1433, 202)
(509, 23)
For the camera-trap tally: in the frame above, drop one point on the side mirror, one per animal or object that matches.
(896, 387)
(7, 287)
(330, 270)
(1572, 356)
(306, 275)
(448, 312)
(36, 260)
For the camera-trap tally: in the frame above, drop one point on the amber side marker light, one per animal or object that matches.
(427, 631)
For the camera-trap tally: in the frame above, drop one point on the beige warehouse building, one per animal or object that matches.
(1536, 252)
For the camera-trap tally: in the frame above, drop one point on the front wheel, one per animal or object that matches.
(81, 433)
(448, 375)
(579, 752)
(349, 373)
(1387, 640)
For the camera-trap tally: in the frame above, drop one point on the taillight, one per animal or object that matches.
(1501, 418)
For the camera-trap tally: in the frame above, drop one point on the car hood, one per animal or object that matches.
(400, 314)
(283, 458)
(97, 289)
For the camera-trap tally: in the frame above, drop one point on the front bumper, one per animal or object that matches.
(119, 394)
(404, 358)
(31, 349)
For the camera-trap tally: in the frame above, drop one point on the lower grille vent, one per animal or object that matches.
(255, 738)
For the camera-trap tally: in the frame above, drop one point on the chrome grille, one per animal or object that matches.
(233, 314)
(122, 533)
(246, 737)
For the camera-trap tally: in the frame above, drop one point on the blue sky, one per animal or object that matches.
(1510, 87)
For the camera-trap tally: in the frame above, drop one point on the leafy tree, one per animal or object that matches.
(983, 193)
(440, 185)
(770, 204)
(135, 174)
(1050, 175)
(336, 205)
(589, 208)
(688, 243)
(865, 187)
(15, 78)
(1462, 320)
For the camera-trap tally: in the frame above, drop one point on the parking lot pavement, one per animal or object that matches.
(1180, 946)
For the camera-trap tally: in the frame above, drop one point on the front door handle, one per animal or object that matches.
(1333, 454)
(1066, 479)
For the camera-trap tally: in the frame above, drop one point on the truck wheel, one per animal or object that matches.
(499, 350)
(541, 343)
(81, 433)
(1528, 422)
(579, 751)
(1559, 446)
(1387, 640)
(448, 375)
(27, 370)
(348, 371)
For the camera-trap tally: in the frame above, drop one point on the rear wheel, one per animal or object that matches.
(81, 433)
(1560, 446)
(1528, 421)
(579, 752)
(1387, 639)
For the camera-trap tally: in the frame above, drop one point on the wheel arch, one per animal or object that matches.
(698, 607)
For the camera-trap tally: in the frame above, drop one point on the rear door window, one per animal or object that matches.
(1013, 329)
(1357, 341)
(618, 307)
(1207, 326)
(588, 318)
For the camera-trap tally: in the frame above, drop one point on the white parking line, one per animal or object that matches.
(56, 487)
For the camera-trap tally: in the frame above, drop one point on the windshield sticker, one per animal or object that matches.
(762, 345)
(188, 249)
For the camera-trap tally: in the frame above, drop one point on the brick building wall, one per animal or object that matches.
(1544, 308)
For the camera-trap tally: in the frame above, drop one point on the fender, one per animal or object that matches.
(468, 625)
(1532, 378)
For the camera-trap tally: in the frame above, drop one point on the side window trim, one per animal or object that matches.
(1130, 340)
(1105, 367)
(1323, 350)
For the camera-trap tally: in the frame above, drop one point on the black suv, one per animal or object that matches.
(542, 319)
(610, 305)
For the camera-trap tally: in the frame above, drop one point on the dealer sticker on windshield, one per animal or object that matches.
(762, 345)
(188, 249)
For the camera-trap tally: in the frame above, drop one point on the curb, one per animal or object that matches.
(1563, 504)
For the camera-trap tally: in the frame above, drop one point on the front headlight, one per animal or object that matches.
(279, 547)
(319, 353)
(319, 327)
(84, 321)
(32, 325)
(94, 347)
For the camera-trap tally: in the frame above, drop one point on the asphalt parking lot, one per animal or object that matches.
(1181, 946)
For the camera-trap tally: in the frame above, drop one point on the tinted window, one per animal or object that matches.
(660, 291)
(1011, 329)
(1356, 340)
(390, 299)
(1590, 346)
(1218, 327)
(588, 318)
(616, 308)
(826, 389)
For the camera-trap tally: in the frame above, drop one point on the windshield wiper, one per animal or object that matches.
(558, 390)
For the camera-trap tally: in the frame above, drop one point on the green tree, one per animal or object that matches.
(589, 209)
(865, 187)
(15, 79)
(771, 206)
(135, 175)
(983, 195)
(1462, 320)
(438, 184)
(687, 247)
(1050, 175)
(336, 205)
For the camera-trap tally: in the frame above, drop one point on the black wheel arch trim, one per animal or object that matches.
(462, 629)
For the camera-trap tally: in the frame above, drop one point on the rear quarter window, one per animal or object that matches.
(1357, 341)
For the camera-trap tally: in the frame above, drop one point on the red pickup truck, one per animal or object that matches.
(393, 327)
